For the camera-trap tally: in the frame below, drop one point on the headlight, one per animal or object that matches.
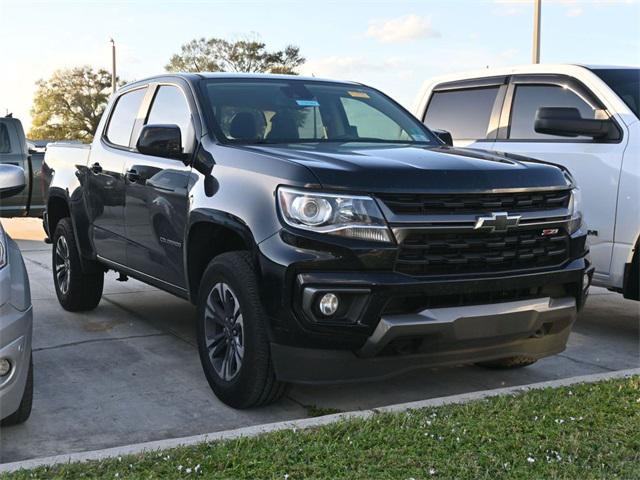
(344, 215)
(575, 207)
(3, 247)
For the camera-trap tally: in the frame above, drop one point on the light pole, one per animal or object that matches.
(113, 65)
(536, 31)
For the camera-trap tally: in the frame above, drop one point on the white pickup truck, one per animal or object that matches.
(585, 118)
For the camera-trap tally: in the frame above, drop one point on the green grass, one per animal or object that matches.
(315, 411)
(579, 432)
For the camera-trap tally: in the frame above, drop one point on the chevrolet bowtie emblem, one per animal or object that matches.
(497, 222)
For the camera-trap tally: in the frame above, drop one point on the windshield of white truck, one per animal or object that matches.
(256, 111)
(626, 83)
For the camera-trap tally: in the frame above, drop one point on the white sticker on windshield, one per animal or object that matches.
(307, 103)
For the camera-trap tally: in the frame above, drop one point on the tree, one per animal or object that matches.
(247, 55)
(68, 105)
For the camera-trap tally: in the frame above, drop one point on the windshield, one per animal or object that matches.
(252, 111)
(626, 83)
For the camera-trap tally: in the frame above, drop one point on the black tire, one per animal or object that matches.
(631, 286)
(254, 382)
(509, 362)
(24, 410)
(81, 289)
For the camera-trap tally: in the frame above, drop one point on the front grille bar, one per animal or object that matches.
(421, 204)
(401, 231)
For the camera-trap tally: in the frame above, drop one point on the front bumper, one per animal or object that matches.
(532, 328)
(16, 324)
(15, 332)
(393, 322)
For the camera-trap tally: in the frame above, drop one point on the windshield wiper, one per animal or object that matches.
(329, 140)
(372, 140)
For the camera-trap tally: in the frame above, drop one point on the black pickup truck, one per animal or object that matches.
(323, 232)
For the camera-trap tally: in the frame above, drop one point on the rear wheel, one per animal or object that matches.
(24, 410)
(508, 362)
(77, 289)
(232, 338)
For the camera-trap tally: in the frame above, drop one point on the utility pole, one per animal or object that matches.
(113, 65)
(536, 31)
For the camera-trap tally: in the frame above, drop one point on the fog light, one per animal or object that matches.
(328, 304)
(5, 367)
(586, 281)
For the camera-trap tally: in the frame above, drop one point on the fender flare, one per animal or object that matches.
(84, 246)
(221, 219)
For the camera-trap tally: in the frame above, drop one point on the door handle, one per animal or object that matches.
(132, 175)
(96, 168)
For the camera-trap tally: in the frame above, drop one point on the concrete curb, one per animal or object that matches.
(303, 423)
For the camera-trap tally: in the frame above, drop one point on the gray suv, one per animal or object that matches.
(16, 367)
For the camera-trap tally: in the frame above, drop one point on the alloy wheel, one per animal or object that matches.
(62, 265)
(224, 331)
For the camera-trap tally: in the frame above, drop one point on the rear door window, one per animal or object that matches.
(124, 117)
(465, 113)
(529, 98)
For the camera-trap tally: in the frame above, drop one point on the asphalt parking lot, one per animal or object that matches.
(128, 372)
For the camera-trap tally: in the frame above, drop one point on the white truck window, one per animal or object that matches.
(625, 82)
(5, 144)
(527, 100)
(464, 113)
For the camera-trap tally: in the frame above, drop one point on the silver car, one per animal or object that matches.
(16, 318)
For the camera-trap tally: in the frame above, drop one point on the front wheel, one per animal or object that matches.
(77, 289)
(232, 337)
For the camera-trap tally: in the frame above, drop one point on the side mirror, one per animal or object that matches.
(444, 136)
(12, 180)
(567, 122)
(161, 141)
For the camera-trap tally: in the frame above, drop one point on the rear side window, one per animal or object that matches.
(5, 144)
(170, 107)
(124, 117)
(465, 113)
(625, 82)
(529, 98)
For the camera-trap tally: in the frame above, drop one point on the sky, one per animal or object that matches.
(393, 45)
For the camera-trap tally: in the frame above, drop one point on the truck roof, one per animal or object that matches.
(573, 70)
(560, 68)
(193, 77)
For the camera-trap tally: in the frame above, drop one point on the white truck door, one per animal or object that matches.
(594, 164)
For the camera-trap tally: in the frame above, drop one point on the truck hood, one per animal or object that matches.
(385, 168)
